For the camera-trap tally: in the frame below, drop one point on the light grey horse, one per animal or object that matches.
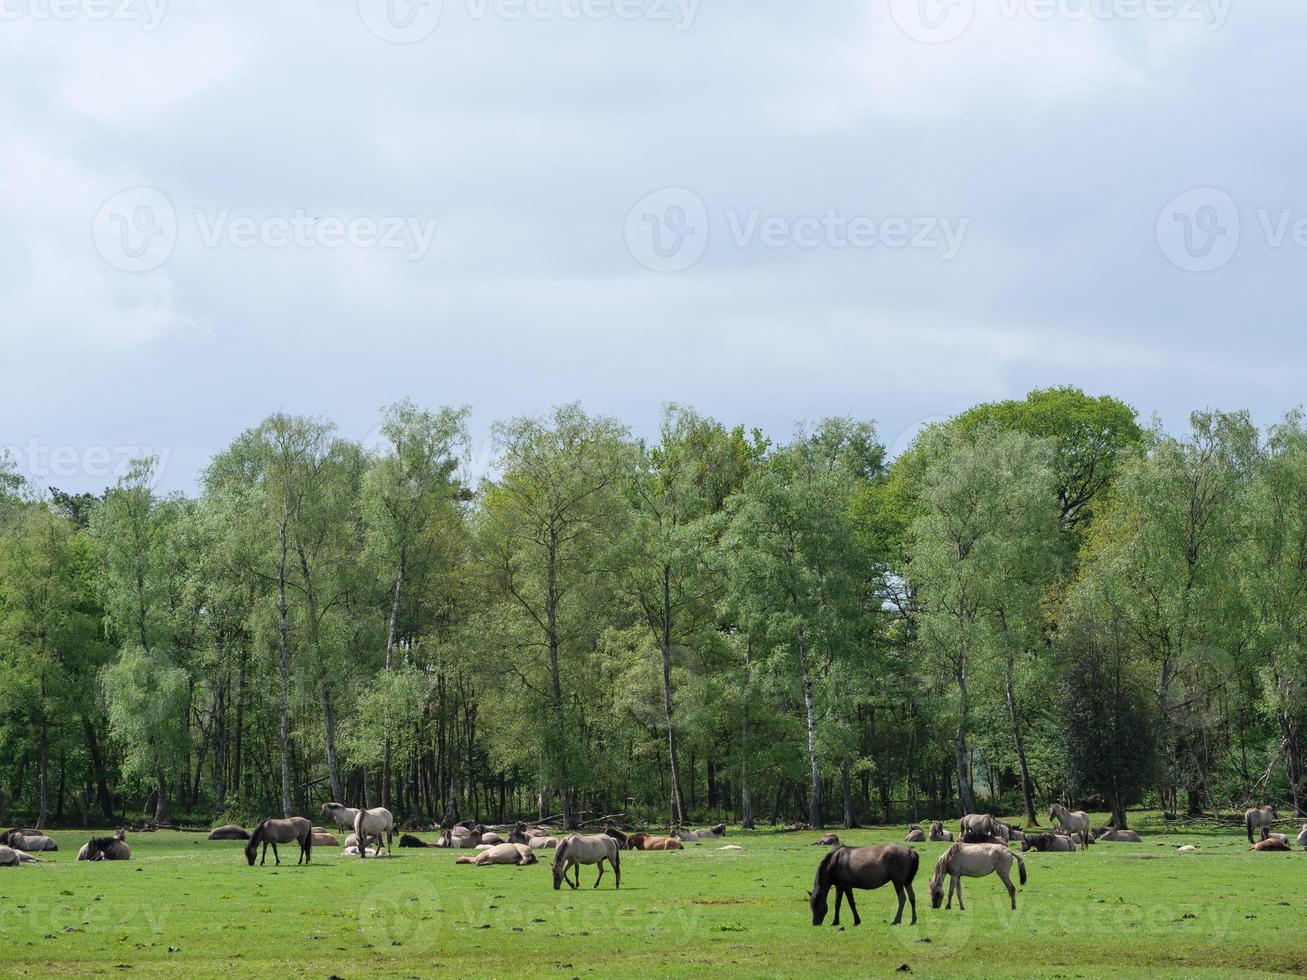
(578, 850)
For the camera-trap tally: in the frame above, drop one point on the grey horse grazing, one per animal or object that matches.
(12, 857)
(847, 868)
(1263, 817)
(106, 848)
(281, 831)
(974, 861)
(577, 850)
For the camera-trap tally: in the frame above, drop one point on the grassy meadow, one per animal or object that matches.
(185, 906)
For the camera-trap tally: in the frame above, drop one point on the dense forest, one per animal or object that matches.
(1039, 599)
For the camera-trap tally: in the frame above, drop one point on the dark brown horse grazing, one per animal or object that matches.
(847, 868)
(276, 832)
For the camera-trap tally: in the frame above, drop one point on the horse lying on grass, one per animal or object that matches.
(518, 854)
(106, 848)
(21, 841)
(646, 842)
(974, 861)
(847, 868)
(11, 857)
(229, 832)
(1048, 842)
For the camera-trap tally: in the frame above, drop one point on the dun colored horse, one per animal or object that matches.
(578, 850)
(828, 840)
(938, 833)
(281, 831)
(229, 832)
(12, 858)
(342, 815)
(106, 848)
(1271, 844)
(847, 868)
(916, 835)
(1302, 836)
(1048, 842)
(1259, 816)
(20, 841)
(980, 823)
(645, 842)
(1111, 834)
(974, 861)
(1074, 822)
(518, 854)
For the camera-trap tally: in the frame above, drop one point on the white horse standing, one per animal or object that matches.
(342, 815)
(1074, 822)
(578, 850)
(974, 861)
(373, 823)
(1259, 816)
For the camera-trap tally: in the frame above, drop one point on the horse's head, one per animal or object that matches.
(1052, 812)
(1026, 843)
(817, 902)
(936, 894)
(252, 846)
(559, 869)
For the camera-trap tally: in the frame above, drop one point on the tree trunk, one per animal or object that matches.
(43, 814)
(746, 803)
(1015, 715)
(283, 664)
(846, 787)
(678, 805)
(161, 801)
(329, 712)
(814, 800)
(966, 800)
(97, 766)
(387, 748)
(556, 686)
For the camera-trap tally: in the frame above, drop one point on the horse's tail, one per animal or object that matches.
(616, 858)
(1248, 825)
(913, 862)
(308, 844)
(1021, 866)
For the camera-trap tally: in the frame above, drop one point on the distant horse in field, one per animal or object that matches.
(616, 835)
(323, 838)
(229, 832)
(828, 840)
(1271, 844)
(543, 843)
(1302, 836)
(916, 835)
(106, 848)
(980, 823)
(647, 842)
(518, 854)
(1112, 835)
(974, 861)
(847, 868)
(20, 841)
(1072, 821)
(280, 831)
(373, 823)
(578, 850)
(12, 857)
(1048, 842)
(343, 816)
(975, 837)
(458, 838)
(408, 840)
(938, 833)
(1259, 816)
(712, 833)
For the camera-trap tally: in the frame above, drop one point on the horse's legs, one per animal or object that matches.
(601, 874)
(898, 916)
(275, 856)
(264, 856)
(839, 898)
(952, 884)
(912, 897)
(1011, 889)
(958, 879)
(857, 920)
(576, 870)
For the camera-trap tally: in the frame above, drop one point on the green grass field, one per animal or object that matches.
(184, 906)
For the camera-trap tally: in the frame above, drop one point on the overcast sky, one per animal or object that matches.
(768, 209)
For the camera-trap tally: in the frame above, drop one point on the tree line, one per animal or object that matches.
(1041, 598)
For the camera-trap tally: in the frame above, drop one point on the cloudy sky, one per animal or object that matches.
(768, 209)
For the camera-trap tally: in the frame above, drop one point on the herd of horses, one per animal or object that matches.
(981, 847)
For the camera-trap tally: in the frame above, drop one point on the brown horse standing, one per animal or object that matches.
(847, 868)
(276, 832)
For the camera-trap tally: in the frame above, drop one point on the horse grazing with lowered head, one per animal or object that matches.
(280, 831)
(1074, 822)
(1263, 817)
(974, 861)
(373, 823)
(578, 850)
(847, 868)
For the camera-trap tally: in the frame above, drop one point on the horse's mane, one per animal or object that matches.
(822, 882)
(942, 864)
